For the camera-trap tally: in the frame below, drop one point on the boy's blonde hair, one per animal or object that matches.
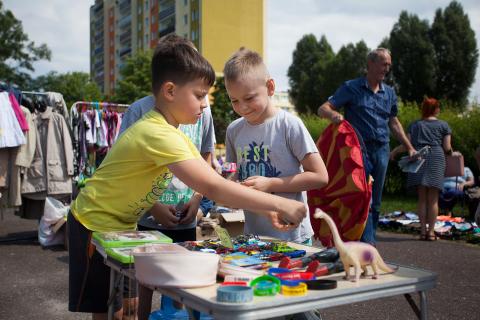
(245, 62)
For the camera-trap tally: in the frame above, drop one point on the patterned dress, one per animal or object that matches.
(429, 133)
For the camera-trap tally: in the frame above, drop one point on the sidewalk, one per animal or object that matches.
(34, 281)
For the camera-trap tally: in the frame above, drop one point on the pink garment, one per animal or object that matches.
(18, 113)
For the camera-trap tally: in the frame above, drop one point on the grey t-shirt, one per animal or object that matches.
(203, 137)
(274, 148)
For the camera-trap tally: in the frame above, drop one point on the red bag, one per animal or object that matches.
(454, 166)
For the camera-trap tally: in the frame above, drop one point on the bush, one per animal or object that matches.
(465, 137)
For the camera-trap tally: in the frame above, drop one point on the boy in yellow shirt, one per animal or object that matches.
(139, 167)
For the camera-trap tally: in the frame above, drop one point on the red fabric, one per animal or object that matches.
(346, 198)
(18, 113)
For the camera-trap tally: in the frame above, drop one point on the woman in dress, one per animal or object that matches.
(428, 131)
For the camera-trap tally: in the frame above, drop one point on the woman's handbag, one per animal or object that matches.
(454, 165)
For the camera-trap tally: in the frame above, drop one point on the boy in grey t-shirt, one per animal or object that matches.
(272, 148)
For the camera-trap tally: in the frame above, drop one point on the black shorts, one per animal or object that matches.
(89, 277)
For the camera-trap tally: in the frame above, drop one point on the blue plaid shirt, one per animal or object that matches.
(367, 111)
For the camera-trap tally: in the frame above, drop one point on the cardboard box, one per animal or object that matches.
(233, 221)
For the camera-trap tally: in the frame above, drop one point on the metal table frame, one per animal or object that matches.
(405, 280)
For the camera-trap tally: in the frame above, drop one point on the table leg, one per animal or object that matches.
(110, 293)
(423, 305)
(144, 302)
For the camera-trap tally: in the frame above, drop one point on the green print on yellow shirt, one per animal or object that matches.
(133, 175)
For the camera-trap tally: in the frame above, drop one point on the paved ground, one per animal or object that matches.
(33, 281)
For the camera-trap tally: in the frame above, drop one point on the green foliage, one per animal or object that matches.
(74, 86)
(222, 111)
(308, 71)
(413, 57)
(348, 63)
(314, 124)
(136, 78)
(456, 53)
(17, 53)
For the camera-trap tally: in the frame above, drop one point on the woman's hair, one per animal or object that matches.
(429, 107)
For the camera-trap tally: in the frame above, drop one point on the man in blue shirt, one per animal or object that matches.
(371, 108)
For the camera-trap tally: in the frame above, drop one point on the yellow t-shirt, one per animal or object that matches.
(133, 175)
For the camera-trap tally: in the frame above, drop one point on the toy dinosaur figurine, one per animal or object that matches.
(356, 254)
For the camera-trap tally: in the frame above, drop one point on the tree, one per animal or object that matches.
(135, 78)
(17, 53)
(307, 73)
(74, 86)
(456, 53)
(412, 57)
(222, 111)
(349, 63)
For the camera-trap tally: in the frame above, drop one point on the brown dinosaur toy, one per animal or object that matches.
(354, 253)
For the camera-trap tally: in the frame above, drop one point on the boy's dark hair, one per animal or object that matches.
(176, 59)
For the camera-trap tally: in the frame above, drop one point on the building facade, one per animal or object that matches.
(120, 28)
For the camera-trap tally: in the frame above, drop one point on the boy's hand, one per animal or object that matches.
(292, 212)
(258, 182)
(190, 209)
(278, 223)
(164, 215)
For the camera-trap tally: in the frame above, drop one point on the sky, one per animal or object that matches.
(64, 26)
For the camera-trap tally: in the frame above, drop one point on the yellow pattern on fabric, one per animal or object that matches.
(133, 175)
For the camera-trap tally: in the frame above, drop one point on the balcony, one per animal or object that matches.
(97, 8)
(125, 22)
(166, 13)
(98, 65)
(98, 50)
(166, 31)
(125, 36)
(98, 37)
(124, 7)
(124, 51)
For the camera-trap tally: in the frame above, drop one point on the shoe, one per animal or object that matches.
(431, 237)
(422, 237)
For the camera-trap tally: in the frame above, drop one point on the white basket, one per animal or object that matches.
(183, 268)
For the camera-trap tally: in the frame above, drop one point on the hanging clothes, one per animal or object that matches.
(52, 166)
(17, 159)
(18, 112)
(56, 101)
(11, 134)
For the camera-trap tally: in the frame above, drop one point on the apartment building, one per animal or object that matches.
(120, 28)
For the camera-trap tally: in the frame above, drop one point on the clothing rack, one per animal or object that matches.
(35, 92)
(94, 104)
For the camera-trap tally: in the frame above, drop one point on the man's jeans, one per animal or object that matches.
(378, 155)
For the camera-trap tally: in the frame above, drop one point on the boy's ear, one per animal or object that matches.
(168, 90)
(270, 87)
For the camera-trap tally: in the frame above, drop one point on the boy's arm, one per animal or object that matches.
(314, 176)
(199, 176)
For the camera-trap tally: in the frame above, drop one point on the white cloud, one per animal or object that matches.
(62, 25)
(342, 22)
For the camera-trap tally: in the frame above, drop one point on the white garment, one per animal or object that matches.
(11, 134)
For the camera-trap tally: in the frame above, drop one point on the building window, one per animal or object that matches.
(193, 15)
(111, 28)
(185, 3)
(146, 38)
(146, 22)
(185, 19)
(111, 42)
(110, 13)
(153, 36)
(139, 10)
(139, 27)
(146, 5)
(185, 35)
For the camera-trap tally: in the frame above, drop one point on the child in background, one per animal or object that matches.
(139, 168)
(428, 131)
(273, 150)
